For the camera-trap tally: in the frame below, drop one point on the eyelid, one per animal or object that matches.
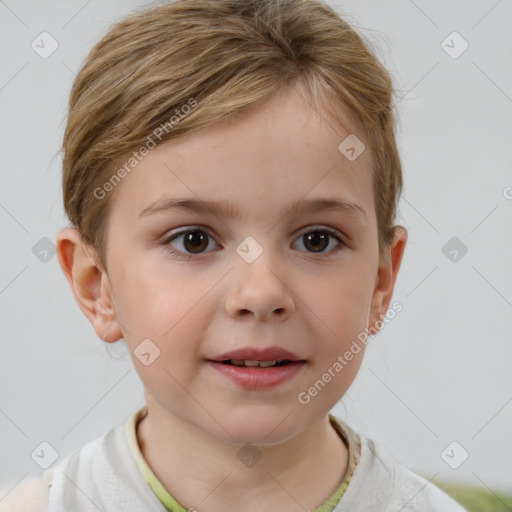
(320, 227)
(305, 229)
(173, 234)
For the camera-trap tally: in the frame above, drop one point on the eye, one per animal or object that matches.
(187, 242)
(317, 240)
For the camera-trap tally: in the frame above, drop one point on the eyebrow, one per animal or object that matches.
(228, 210)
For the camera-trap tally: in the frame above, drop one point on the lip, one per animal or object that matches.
(258, 354)
(258, 378)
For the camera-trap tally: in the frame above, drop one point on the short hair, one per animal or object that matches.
(224, 55)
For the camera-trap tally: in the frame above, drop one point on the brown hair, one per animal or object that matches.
(224, 55)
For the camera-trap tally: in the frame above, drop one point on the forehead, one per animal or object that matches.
(268, 155)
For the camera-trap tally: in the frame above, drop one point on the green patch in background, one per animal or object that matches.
(475, 499)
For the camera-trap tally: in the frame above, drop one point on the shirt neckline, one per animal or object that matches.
(351, 440)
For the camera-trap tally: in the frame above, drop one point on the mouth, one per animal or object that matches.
(258, 357)
(256, 374)
(256, 363)
(256, 368)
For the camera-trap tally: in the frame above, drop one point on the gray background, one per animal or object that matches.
(438, 373)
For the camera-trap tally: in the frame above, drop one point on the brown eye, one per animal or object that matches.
(317, 241)
(195, 241)
(184, 244)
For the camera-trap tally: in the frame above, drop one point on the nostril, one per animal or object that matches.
(245, 312)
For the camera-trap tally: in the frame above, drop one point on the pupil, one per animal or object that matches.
(317, 236)
(195, 241)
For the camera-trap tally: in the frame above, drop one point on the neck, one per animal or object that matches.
(202, 471)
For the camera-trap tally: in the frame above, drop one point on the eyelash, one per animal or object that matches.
(188, 256)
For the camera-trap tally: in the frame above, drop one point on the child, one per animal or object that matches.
(231, 175)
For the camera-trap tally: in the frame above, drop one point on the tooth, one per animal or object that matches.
(266, 364)
(253, 364)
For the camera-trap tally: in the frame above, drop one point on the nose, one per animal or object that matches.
(259, 291)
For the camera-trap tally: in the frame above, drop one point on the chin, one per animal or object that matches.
(258, 428)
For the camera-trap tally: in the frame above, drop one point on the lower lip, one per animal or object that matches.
(258, 378)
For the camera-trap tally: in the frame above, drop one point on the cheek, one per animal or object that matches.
(339, 305)
(162, 325)
(168, 379)
(174, 356)
(153, 303)
(341, 314)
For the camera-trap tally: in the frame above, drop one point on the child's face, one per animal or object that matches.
(313, 304)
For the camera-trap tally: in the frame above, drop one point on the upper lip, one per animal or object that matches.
(258, 354)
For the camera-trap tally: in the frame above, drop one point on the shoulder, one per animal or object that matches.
(381, 483)
(422, 493)
(30, 495)
(408, 491)
(34, 493)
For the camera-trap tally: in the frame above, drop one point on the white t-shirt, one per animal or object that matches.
(104, 475)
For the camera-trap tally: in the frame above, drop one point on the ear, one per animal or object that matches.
(389, 264)
(89, 283)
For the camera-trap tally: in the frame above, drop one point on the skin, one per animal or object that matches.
(312, 303)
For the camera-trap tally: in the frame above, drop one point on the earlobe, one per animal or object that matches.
(389, 265)
(89, 283)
